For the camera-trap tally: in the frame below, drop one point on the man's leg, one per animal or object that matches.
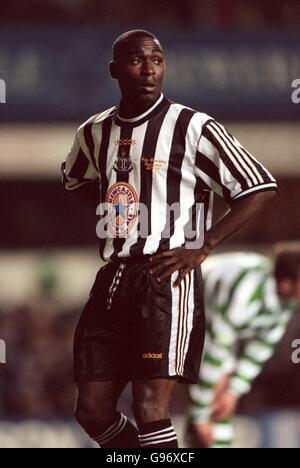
(96, 412)
(151, 407)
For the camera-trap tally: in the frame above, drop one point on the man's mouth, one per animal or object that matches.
(148, 87)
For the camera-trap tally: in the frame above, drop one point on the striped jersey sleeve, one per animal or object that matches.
(257, 352)
(78, 169)
(227, 168)
(241, 305)
(218, 361)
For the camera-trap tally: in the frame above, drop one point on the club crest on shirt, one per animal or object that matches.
(123, 163)
(122, 201)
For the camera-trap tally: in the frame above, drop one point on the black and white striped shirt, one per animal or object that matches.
(171, 156)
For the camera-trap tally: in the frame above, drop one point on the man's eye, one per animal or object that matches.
(157, 61)
(135, 61)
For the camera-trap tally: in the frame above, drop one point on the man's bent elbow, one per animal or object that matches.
(269, 194)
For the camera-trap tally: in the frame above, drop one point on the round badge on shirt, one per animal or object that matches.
(122, 203)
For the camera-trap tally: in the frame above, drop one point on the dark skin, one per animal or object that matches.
(139, 68)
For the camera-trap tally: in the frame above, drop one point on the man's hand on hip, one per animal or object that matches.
(181, 259)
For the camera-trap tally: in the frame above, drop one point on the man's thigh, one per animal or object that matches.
(152, 399)
(97, 395)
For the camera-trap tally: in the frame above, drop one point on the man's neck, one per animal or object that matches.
(130, 110)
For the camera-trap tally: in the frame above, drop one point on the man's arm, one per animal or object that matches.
(89, 195)
(257, 352)
(80, 176)
(184, 260)
(218, 362)
(242, 211)
(227, 168)
(250, 364)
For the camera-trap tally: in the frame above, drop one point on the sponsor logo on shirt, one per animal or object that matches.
(122, 202)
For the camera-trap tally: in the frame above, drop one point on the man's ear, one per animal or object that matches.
(113, 70)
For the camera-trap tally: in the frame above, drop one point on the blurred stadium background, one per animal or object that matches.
(235, 60)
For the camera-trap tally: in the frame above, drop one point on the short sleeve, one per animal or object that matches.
(78, 169)
(227, 168)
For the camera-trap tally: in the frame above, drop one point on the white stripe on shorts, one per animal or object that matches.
(182, 323)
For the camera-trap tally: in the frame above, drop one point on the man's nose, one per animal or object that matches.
(148, 68)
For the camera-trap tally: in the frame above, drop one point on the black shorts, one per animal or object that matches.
(134, 328)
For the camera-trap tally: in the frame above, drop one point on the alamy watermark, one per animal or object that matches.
(2, 352)
(2, 92)
(119, 218)
(296, 353)
(296, 92)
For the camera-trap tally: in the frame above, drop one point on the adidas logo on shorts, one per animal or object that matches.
(153, 356)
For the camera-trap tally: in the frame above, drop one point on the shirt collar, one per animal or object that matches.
(143, 116)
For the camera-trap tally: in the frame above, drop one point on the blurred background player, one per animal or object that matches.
(249, 300)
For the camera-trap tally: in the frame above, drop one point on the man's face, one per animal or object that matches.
(139, 69)
(289, 289)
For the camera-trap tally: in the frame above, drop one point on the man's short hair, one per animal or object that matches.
(127, 37)
(287, 260)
